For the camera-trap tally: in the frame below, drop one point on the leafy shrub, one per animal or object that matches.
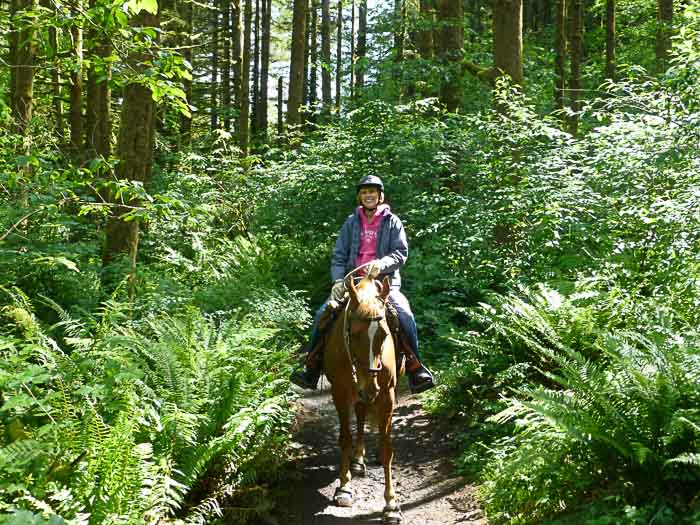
(608, 414)
(168, 416)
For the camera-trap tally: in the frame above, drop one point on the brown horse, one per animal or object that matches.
(360, 364)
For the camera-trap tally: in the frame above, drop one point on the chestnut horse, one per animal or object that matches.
(360, 364)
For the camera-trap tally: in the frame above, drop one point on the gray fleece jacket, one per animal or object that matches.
(392, 247)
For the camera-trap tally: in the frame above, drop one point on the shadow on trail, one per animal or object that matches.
(428, 491)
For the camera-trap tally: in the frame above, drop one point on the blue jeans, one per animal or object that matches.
(407, 322)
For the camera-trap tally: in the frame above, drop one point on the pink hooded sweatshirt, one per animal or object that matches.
(369, 233)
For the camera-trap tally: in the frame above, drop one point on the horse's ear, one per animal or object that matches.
(386, 288)
(352, 289)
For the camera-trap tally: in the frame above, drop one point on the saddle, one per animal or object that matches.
(405, 359)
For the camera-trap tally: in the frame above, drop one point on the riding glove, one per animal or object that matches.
(338, 290)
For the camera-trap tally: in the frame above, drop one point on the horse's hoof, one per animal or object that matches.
(358, 469)
(392, 516)
(343, 497)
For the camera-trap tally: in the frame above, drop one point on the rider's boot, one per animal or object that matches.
(420, 378)
(308, 378)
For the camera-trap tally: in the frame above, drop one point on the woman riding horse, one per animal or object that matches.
(375, 237)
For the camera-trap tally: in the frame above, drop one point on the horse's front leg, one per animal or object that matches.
(343, 404)
(357, 463)
(385, 410)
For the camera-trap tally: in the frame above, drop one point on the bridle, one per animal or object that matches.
(374, 325)
(372, 328)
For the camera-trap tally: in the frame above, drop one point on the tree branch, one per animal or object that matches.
(487, 75)
(14, 226)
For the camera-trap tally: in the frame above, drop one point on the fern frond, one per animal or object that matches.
(688, 458)
(21, 451)
(77, 334)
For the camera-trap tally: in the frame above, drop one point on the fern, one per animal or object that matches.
(635, 409)
(155, 419)
(690, 458)
(246, 435)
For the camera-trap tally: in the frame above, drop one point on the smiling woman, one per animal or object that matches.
(373, 238)
(369, 198)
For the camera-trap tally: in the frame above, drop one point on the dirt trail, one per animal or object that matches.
(428, 491)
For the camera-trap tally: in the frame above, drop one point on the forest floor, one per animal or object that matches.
(428, 490)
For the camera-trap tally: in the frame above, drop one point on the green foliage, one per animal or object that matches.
(619, 423)
(594, 374)
(139, 419)
(554, 281)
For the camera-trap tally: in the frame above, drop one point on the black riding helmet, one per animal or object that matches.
(371, 181)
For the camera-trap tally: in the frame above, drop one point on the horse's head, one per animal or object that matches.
(368, 331)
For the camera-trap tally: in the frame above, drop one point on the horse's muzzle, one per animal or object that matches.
(369, 392)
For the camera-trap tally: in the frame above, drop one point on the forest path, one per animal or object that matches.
(428, 490)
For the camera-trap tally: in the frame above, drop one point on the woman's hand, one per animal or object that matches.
(338, 290)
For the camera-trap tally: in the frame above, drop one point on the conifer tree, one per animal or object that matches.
(326, 55)
(296, 69)
(134, 151)
(610, 39)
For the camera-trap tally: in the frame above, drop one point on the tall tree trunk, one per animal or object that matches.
(531, 15)
(53, 55)
(559, 53)
(280, 105)
(22, 54)
(237, 67)
(426, 38)
(296, 69)
(450, 16)
(326, 56)
(135, 153)
(361, 47)
(339, 57)
(226, 63)
(254, 119)
(98, 134)
(400, 27)
(352, 50)
(610, 39)
(313, 56)
(508, 38)
(76, 88)
(187, 14)
(528, 8)
(663, 34)
(475, 20)
(13, 41)
(546, 13)
(214, 86)
(576, 45)
(244, 134)
(307, 49)
(264, 69)
(400, 40)
(56, 83)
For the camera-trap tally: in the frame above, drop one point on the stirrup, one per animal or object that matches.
(307, 378)
(427, 383)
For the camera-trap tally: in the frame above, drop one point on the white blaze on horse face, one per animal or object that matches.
(371, 333)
